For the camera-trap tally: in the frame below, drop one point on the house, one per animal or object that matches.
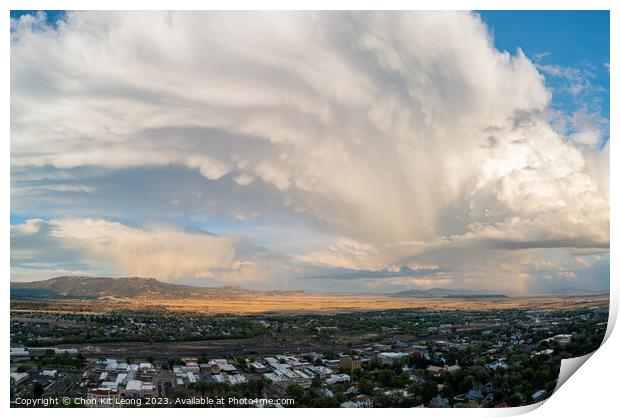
(218, 378)
(438, 370)
(439, 402)
(327, 393)
(145, 367)
(321, 371)
(547, 352)
(360, 401)
(561, 339)
(352, 390)
(338, 378)
(499, 364)
(473, 394)
(235, 379)
(539, 395)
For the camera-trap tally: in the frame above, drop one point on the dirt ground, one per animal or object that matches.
(306, 304)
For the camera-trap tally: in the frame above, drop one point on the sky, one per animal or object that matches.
(324, 151)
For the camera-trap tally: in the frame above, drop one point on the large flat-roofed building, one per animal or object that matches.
(350, 363)
(19, 377)
(388, 357)
(258, 367)
(19, 352)
(139, 389)
(103, 398)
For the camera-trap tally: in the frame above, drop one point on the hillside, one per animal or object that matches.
(83, 287)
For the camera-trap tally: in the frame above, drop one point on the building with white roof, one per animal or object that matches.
(389, 356)
(111, 365)
(138, 388)
(19, 352)
(272, 362)
(218, 378)
(19, 377)
(109, 385)
(235, 379)
(49, 373)
(145, 366)
(338, 378)
(321, 371)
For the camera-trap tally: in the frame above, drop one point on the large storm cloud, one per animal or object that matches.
(395, 142)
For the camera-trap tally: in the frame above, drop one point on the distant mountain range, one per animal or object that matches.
(446, 293)
(84, 287)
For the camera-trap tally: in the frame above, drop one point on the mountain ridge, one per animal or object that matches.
(87, 287)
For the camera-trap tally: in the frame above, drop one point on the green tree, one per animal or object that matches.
(295, 391)
(202, 387)
(37, 390)
(180, 393)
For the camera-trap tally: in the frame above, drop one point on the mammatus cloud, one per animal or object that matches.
(400, 135)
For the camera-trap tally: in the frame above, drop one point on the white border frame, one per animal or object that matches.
(592, 391)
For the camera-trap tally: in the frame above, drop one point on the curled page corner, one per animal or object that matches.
(518, 410)
(568, 367)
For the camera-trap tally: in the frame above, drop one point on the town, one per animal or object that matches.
(395, 358)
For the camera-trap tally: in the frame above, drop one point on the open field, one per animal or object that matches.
(305, 304)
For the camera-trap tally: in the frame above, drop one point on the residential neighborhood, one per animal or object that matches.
(477, 361)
